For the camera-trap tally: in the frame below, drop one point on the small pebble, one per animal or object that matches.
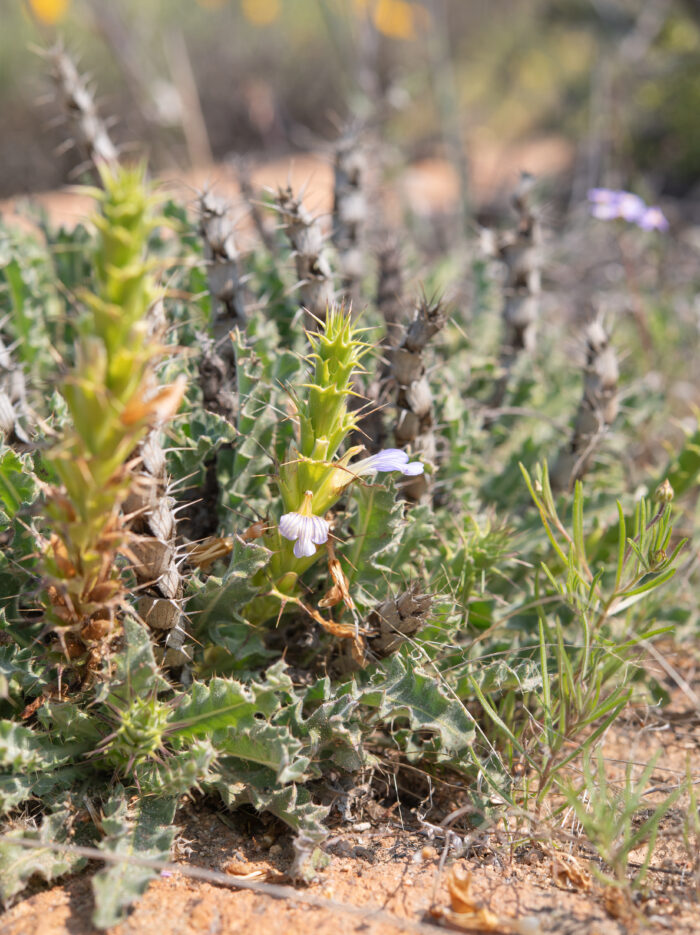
(428, 852)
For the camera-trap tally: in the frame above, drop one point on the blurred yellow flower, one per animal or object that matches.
(49, 11)
(261, 12)
(399, 19)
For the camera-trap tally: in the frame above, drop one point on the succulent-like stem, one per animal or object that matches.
(390, 302)
(217, 366)
(415, 422)
(520, 251)
(216, 228)
(596, 412)
(390, 288)
(350, 211)
(13, 398)
(314, 274)
(89, 130)
(389, 625)
(112, 399)
(252, 200)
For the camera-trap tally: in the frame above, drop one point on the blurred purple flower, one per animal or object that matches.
(390, 459)
(653, 219)
(608, 204)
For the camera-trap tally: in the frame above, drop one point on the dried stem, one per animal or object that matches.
(415, 424)
(312, 265)
(520, 251)
(597, 411)
(89, 130)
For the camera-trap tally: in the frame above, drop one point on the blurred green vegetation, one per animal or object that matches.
(617, 78)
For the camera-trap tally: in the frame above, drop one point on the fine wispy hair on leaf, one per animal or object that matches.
(350, 211)
(88, 131)
(415, 422)
(596, 412)
(313, 268)
(520, 251)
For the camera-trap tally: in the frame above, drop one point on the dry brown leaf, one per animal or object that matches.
(466, 914)
(618, 904)
(569, 873)
(157, 407)
(339, 590)
(205, 553)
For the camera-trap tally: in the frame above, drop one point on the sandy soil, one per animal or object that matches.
(428, 187)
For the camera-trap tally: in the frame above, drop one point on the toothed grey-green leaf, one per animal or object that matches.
(405, 690)
(272, 746)
(18, 863)
(214, 709)
(145, 829)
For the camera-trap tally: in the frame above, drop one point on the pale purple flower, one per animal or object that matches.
(631, 207)
(607, 203)
(602, 196)
(304, 529)
(653, 219)
(389, 459)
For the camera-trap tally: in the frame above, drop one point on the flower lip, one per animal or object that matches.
(389, 459)
(304, 529)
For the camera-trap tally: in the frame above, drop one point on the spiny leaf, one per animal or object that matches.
(403, 689)
(146, 830)
(214, 709)
(18, 864)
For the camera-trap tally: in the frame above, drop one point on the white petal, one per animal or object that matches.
(412, 469)
(290, 525)
(319, 530)
(304, 547)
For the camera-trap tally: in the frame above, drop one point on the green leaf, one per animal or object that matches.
(17, 483)
(147, 830)
(403, 689)
(271, 746)
(231, 642)
(135, 670)
(214, 709)
(18, 864)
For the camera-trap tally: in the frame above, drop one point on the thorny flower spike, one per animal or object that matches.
(390, 459)
(304, 529)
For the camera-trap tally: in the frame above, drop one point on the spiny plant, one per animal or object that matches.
(111, 398)
(308, 622)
